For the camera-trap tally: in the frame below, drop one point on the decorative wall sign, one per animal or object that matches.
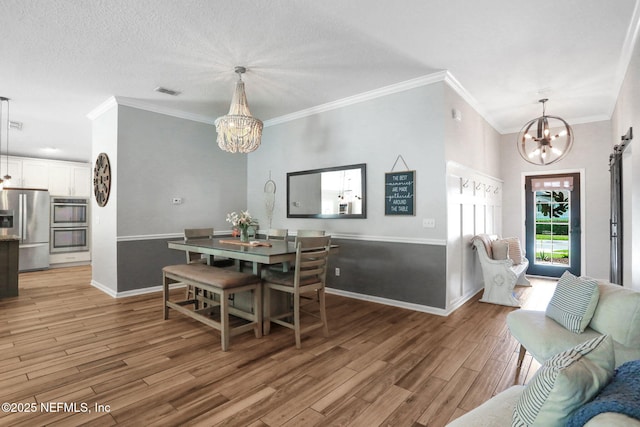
(399, 193)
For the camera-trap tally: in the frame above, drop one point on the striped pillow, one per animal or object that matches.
(574, 302)
(515, 250)
(564, 383)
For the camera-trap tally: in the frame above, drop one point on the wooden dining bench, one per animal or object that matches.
(216, 281)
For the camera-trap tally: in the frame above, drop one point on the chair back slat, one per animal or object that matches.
(193, 234)
(310, 233)
(312, 254)
(278, 234)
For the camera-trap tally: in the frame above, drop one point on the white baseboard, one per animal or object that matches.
(391, 302)
(133, 292)
(457, 303)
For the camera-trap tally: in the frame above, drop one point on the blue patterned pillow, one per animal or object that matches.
(564, 383)
(574, 302)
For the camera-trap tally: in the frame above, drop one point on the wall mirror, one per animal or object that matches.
(337, 192)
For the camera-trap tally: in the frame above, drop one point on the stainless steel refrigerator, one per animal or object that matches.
(25, 213)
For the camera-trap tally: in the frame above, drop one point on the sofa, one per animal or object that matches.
(615, 317)
(503, 267)
(617, 313)
(498, 412)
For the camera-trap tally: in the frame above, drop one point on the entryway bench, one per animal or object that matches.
(500, 275)
(209, 282)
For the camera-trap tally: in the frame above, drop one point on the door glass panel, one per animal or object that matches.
(552, 240)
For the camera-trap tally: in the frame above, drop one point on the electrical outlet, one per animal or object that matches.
(428, 222)
(337, 271)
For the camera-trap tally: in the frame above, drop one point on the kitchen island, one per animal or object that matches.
(9, 266)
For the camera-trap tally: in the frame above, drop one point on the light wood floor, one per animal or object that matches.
(65, 342)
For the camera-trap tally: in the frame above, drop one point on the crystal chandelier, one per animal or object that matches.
(238, 131)
(551, 142)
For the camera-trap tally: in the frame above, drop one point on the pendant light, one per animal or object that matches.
(238, 131)
(551, 141)
(5, 180)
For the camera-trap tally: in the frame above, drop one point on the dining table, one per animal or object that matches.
(257, 252)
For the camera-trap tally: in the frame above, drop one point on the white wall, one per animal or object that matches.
(590, 153)
(374, 132)
(104, 219)
(626, 115)
(474, 193)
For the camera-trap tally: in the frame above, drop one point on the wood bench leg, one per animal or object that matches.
(267, 311)
(523, 351)
(224, 321)
(257, 310)
(165, 297)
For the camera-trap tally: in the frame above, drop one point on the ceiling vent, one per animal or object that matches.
(167, 91)
(15, 125)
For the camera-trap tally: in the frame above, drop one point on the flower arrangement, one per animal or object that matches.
(242, 222)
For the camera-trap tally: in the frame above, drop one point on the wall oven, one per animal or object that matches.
(69, 225)
(69, 212)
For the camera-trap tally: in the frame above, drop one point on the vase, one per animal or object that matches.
(244, 234)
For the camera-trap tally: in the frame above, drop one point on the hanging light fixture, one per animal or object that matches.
(238, 131)
(6, 180)
(551, 141)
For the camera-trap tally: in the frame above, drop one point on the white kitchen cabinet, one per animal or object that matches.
(59, 180)
(15, 171)
(59, 177)
(81, 180)
(35, 173)
(69, 180)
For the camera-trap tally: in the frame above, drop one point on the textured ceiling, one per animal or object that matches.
(60, 59)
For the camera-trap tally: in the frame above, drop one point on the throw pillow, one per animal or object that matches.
(515, 250)
(500, 249)
(573, 302)
(564, 383)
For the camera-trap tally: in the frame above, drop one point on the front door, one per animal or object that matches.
(553, 224)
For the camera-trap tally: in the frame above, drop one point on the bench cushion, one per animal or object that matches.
(287, 278)
(213, 276)
(542, 336)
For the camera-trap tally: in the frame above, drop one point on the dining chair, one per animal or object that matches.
(278, 234)
(193, 234)
(308, 277)
(310, 233)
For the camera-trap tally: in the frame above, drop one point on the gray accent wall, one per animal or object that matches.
(413, 273)
(140, 262)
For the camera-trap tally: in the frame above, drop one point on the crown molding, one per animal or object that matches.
(141, 105)
(102, 108)
(628, 47)
(438, 76)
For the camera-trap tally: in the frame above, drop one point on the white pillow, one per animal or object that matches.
(573, 302)
(564, 383)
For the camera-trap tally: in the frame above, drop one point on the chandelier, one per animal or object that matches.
(238, 131)
(550, 142)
